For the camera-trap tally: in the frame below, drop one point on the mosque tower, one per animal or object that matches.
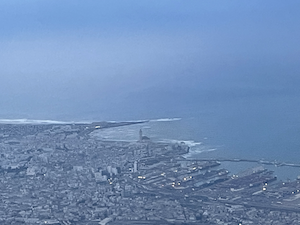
(141, 135)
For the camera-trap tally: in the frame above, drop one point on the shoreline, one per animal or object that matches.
(90, 179)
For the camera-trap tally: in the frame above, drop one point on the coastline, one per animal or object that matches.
(91, 179)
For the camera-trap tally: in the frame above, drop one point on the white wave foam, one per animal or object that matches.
(188, 143)
(128, 121)
(165, 120)
(29, 121)
(191, 143)
(196, 151)
(204, 150)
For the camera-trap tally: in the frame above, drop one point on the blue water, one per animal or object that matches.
(266, 127)
(237, 117)
(254, 126)
(263, 127)
(203, 144)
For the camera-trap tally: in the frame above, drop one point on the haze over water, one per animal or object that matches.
(229, 69)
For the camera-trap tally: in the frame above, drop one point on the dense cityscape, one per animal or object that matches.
(66, 174)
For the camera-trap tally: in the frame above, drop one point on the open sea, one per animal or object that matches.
(204, 145)
(253, 126)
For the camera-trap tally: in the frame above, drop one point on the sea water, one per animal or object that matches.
(203, 145)
(254, 127)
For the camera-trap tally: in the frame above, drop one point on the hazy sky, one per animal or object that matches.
(69, 58)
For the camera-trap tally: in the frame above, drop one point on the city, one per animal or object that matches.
(65, 174)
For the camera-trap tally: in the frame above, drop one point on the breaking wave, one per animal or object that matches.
(188, 143)
(129, 121)
(29, 121)
(194, 152)
(204, 150)
(165, 120)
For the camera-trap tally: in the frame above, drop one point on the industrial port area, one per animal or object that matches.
(65, 174)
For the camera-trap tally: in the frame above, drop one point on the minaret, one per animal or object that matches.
(141, 135)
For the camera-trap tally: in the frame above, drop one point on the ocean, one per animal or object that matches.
(254, 126)
(203, 145)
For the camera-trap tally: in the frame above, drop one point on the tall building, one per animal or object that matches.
(109, 170)
(114, 171)
(141, 135)
(143, 138)
(135, 166)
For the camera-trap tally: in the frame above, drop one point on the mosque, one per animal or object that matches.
(143, 138)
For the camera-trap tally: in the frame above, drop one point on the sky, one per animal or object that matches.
(78, 59)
